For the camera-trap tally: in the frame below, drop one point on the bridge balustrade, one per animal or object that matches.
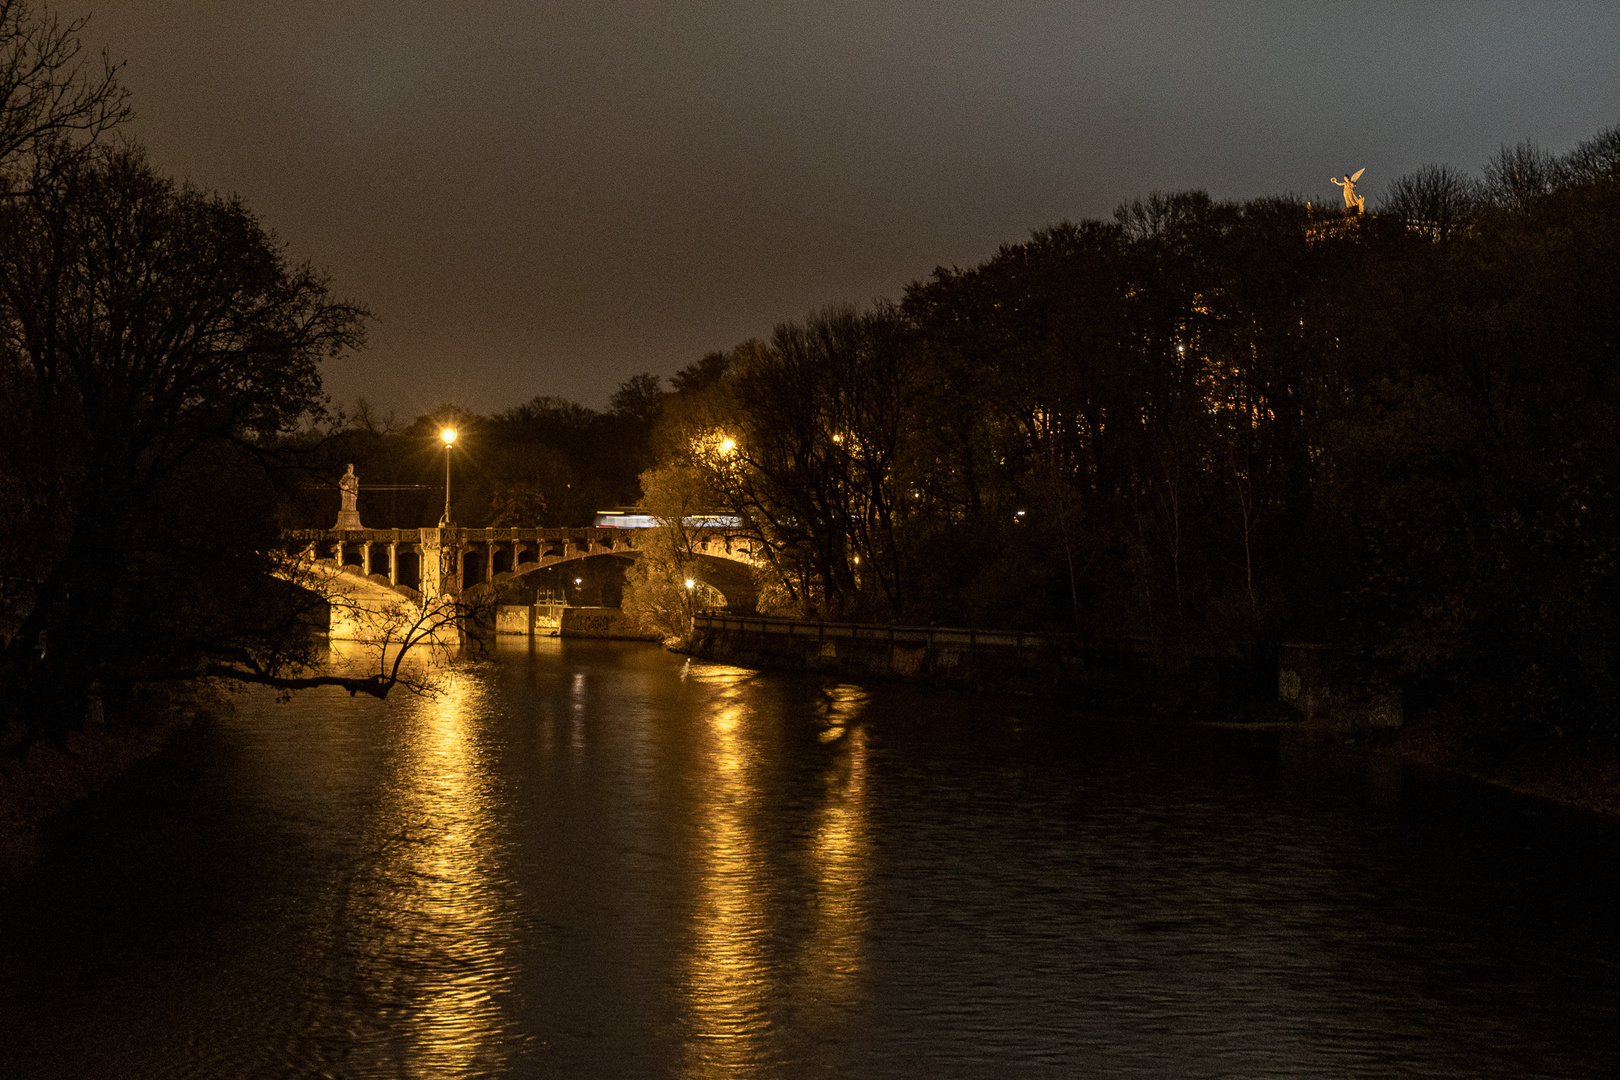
(440, 562)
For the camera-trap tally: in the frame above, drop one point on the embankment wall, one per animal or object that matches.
(1322, 688)
(568, 622)
(1108, 674)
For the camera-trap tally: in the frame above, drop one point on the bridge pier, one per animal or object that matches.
(435, 555)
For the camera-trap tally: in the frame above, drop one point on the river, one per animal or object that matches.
(592, 859)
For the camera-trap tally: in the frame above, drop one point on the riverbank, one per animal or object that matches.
(1578, 773)
(47, 780)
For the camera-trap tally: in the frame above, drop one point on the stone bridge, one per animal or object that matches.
(442, 563)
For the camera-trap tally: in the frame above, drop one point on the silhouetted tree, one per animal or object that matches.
(155, 350)
(53, 101)
(638, 399)
(1437, 200)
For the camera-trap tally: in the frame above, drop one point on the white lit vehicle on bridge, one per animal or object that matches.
(636, 518)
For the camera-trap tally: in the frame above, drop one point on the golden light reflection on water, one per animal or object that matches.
(840, 858)
(732, 982)
(728, 983)
(430, 932)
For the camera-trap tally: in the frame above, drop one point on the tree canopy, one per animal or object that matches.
(1223, 425)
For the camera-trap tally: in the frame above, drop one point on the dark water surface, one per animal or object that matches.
(601, 860)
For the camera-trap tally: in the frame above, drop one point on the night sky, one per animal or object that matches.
(551, 197)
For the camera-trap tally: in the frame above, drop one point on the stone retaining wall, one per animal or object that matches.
(552, 620)
(601, 622)
(528, 619)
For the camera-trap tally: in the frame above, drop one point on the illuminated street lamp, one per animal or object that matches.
(449, 436)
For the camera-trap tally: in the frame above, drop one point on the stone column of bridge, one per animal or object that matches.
(451, 572)
(440, 562)
(365, 558)
(393, 563)
(489, 561)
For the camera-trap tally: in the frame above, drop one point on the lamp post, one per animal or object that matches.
(449, 436)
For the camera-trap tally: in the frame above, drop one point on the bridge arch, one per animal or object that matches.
(733, 579)
(358, 608)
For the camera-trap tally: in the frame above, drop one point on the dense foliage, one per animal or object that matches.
(1225, 425)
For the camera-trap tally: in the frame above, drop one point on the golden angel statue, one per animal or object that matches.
(1352, 201)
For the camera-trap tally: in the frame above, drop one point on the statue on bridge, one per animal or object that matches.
(349, 516)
